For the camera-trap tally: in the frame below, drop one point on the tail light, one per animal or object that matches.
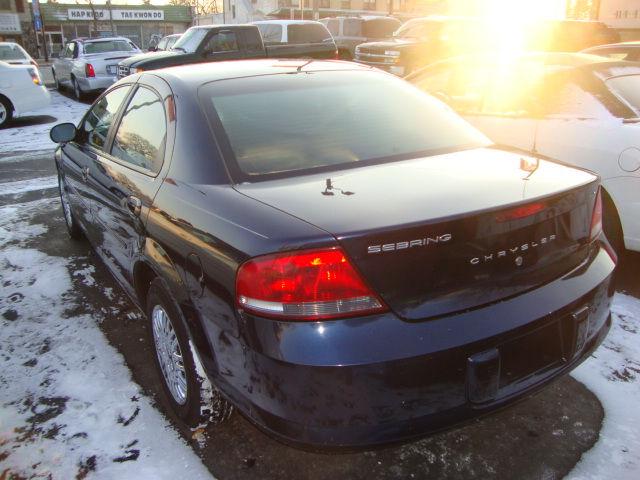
(596, 217)
(304, 285)
(520, 212)
(89, 71)
(35, 76)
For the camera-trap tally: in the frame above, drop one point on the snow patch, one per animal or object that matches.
(23, 186)
(613, 374)
(68, 406)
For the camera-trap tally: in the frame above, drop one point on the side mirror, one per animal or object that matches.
(63, 133)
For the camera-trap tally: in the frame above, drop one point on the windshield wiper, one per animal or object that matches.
(179, 48)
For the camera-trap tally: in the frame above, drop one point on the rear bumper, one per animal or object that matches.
(96, 83)
(30, 99)
(379, 379)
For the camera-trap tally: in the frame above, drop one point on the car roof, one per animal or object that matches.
(284, 22)
(101, 39)
(194, 75)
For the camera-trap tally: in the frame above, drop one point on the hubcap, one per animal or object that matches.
(65, 204)
(3, 113)
(169, 354)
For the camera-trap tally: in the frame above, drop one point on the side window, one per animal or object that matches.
(96, 124)
(73, 51)
(162, 44)
(333, 26)
(142, 133)
(222, 42)
(271, 33)
(352, 28)
(568, 96)
(70, 50)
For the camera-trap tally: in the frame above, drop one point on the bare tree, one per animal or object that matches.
(93, 12)
(200, 7)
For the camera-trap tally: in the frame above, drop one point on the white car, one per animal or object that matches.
(574, 108)
(14, 54)
(91, 65)
(21, 91)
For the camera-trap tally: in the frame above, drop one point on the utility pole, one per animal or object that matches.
(113, 31)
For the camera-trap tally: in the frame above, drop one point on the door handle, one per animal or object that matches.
(85, 173)
(134, 205)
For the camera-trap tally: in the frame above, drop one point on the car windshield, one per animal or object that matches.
(10, 52)
(289, 124)
(628, 88)
(416, 29)
(108, 46)
(190, 40)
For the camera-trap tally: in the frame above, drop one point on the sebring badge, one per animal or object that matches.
(418, 242)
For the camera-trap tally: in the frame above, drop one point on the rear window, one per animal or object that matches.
(628, 88)
(108, 46)
(191, 39)
(380, 28)
(308, 33)
(11, 52)
(282, 125)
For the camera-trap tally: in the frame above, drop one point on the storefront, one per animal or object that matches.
(140, 23)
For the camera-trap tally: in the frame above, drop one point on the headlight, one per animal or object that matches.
(136, 70)
(392, 53)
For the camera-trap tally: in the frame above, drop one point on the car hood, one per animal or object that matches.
(390, 43)
(150, 56)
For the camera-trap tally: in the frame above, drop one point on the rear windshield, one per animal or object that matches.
(282, 125)
(308, 33)
(627, 87)
(11, 52)
(108, 46)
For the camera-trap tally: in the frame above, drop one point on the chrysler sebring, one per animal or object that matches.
(331, 251)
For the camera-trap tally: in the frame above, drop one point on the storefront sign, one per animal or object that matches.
(117, 14)
(10, 23)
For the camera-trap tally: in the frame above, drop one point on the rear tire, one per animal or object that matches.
(611, 224)
(187, 390)
(6, 112)
(73, 228)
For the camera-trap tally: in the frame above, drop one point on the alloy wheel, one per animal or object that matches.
(3, 113)
(169, 354)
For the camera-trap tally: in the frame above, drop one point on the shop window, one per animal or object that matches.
(5, 5)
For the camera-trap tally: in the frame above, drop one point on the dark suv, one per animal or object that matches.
(422, 41)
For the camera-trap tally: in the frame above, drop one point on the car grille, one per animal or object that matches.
(123, 71)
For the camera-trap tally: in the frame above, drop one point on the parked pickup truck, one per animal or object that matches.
(214, 43)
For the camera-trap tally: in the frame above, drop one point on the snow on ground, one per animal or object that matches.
(23, 186)
(613, 374)
(68, 406)
(35, 137)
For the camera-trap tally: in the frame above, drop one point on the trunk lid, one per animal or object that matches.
(451, 232)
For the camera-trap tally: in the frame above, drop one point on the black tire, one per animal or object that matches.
(6, 112)
(77, 91)
(73, 228)
(204, 404)
(611, 224)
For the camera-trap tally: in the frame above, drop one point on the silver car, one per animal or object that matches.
(89, 65)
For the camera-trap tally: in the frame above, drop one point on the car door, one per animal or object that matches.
(78, 157)
(584, 126)
(221, 45)
(127, 178)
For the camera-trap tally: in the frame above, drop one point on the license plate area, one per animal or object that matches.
(112, 69)
(529, 356)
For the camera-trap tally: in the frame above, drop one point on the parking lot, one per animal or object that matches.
(79, 395)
